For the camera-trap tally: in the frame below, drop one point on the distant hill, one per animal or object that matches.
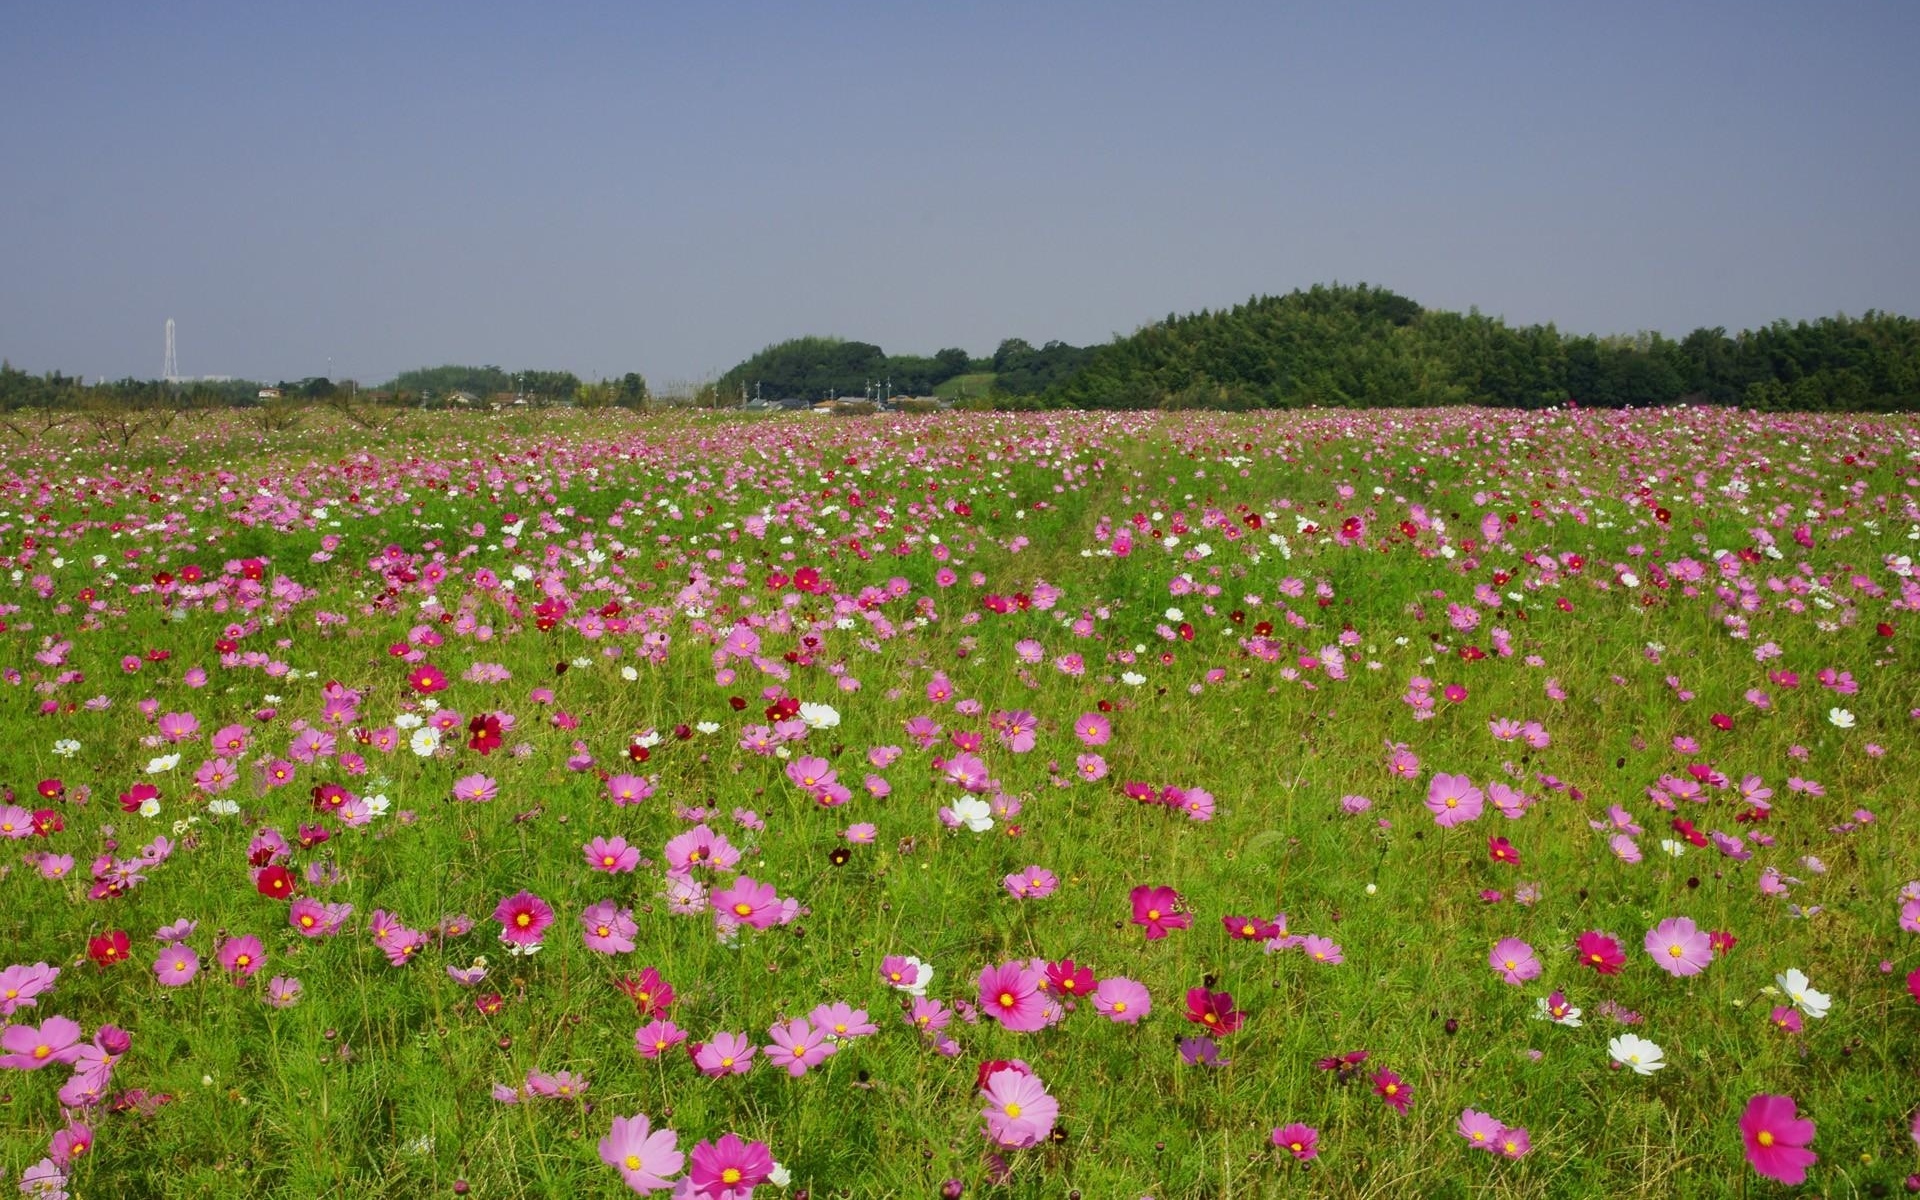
(1364, 346)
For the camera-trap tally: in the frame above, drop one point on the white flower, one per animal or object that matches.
(779, 1176)
(974, 813)
(1133, 678)
(819, 716)
(66, 747)
(378, 805)
(1840, 717)
(1629, 579)
(1799, 990)
(648, 740)
(519, 951)
(629, 674)
(1568, 1015)
(163, 764)
(1174, 614)
(425, 741)
(1672, 847)
(582, 663)
(223, 807)
(708, 727)
(408, 721)
(150, 807)
(1638, 1053)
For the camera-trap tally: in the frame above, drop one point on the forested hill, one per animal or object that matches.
(1364, 347)
(1361, 346)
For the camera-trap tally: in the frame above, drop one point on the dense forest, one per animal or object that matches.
(1367, 347)
(1333, 346)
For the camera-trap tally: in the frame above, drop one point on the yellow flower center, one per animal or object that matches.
(1676, 950)
(523, 920)
(1006, 999)
(602, 930)
(730, 1176)
(607, 861)
(242, 960)
(1013, 1110)
(1153, 914)
(1294, 1146)
(744, 909)
(1392, 1089)
(726, 1062)
(42, 1051)
(633, 1162)
(1452, 803)
(1119, 1006)
(1764, 1138)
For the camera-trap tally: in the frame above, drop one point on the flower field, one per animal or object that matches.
(1436, 803)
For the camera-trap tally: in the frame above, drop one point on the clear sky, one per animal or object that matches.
(669, 187)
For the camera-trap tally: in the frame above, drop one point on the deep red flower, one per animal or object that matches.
(652, 995)
(1720, 941)
(427, 679)
(1249, 929)
(109, 948)
(1064, 978)
(275, 881)
(47, 822)
(1213, 1012)
(485, 731)
(138, 794)
(1500, 850)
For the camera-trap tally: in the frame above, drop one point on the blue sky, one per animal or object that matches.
(667, 188)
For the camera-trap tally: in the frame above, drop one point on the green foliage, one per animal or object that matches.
(1366, 347)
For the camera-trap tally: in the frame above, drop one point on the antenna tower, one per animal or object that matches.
(170, 370)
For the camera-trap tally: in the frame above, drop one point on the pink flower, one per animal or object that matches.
(1514, 961)
(1453, 800)
(1019, 1111)
(797, 1046)
(726, 1054)
(656, 1037)
(842, 1022)
(1093, 729)
(30, 1047)
(1679, 946)
(747, 902)
(644, 1157)
(608, 928)
(523, 917)
(1122, 1000)
(1481, 1130)
(1034, 883)
(177, 965)
(242, 956)
(1776, 1138)
(1011, 995)
(611, 855)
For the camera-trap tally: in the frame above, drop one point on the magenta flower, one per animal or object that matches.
(612, 855)
(1453, 800)
(523, 917)
(726, 1054)
(242, 956)
(1514, 961)
(177, 965)
(1011, 995)
(30, 1047)
(730, 1169)
(1679, 946)
(644, 1157)
(797, 1046)
(747, 902)
(1122, 1000)
(1157, 909)
(1019, 1111)
(1776, 1138)
(1301, 1141)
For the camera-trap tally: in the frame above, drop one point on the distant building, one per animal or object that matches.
(268, 394)
(463, 399)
